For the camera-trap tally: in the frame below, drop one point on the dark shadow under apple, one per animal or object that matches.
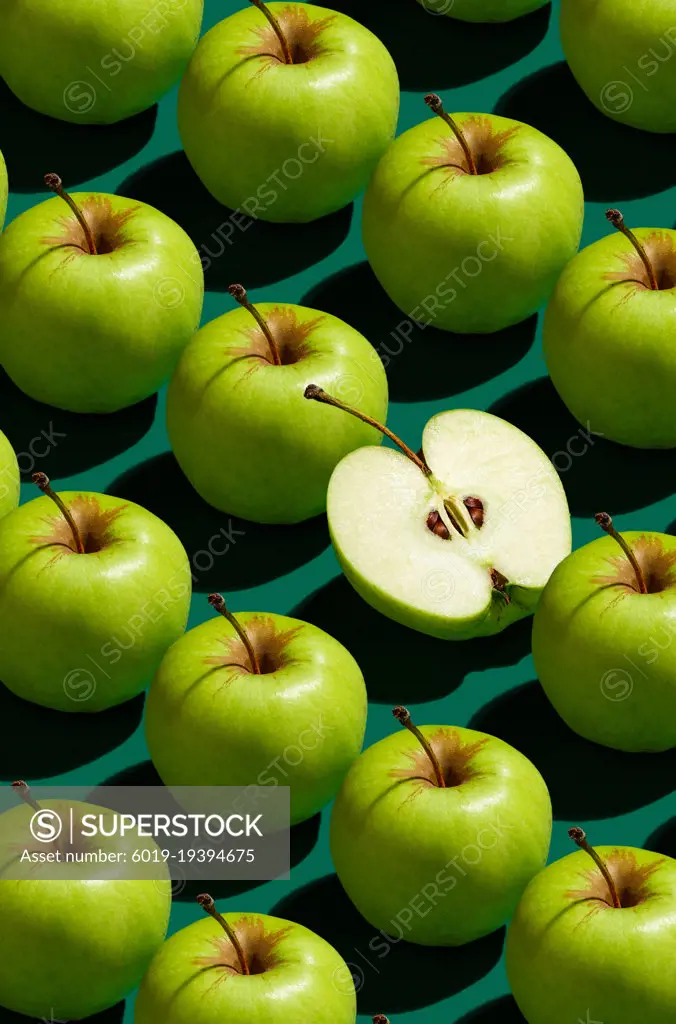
(401, 666)
(431, 49)
(39, 743)
(233, 247)
(663, 839)
(114, 1015)
(226, 553)
(34, 145)
(614, 161)
(586, 781)
(499, 1011)
(390, 977)
(421, 361)
(598, 475)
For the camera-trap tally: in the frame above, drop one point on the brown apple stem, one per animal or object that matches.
(499, 584)
(288, 59)
(436, 106)
(217, 602)
(238, 293)
(315, 392)
(53, 182)
(206, 903)
(22, 789)
(617, 220)
(41, 480)
(579, 837)
(606, 523)
(403, 716)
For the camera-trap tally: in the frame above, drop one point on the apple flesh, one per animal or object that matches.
(483, 10)
(83, 632)
(96, 333)
(440, 866)
(10, 483)
(306, 135)
(94, 64)
(3, 190)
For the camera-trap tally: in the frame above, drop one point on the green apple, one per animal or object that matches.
(10, 483)
(483, 10)
(99, 296)
(92, 593)
(305, 98)
(260, 699)
(469, 220)
(607, 332)
(92, 63)
(456, 541)
(615, 48)
(246, 969)
(236, 418)
(3, 190)
(603, 640)
(592, 940)
(78, 939)
(436, 832)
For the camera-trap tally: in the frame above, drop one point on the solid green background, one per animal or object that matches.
(624, 799)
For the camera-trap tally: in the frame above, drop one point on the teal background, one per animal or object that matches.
(626, 799)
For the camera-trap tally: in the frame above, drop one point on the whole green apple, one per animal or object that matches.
(99, 296)
(458, 540)
(92, 593)
(592, 940)
(468, 221)
(236, 418)
(3, 190)
(285, 110)
(96, 63)
(607, 336)
(260, 699)
(436, 832)
(246, 969)
(482, 10)
(10, 483)
(74, 945)
(621, 54)
(603, 640)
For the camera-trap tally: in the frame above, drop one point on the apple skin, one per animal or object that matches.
(10, 482)
(229, 727)
(311, 983)
(96, 65)
(521, 223)
(240, 428)
(98, 621)
(73, 947)
(613, 48)
(572, 959)
(394, 838)
(604, 340)
(3, 190)
(96, 333)
(482, 10)
(604, 653)
(341, 106)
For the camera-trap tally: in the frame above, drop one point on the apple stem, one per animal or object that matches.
(606, 523)
(436, 106)
(206, 902)
(579, 837)
(23, 790)
(403, 716)
(499, 584)
(217, 602)
(238, 293)
(53, 182)
(41, 480)
(315, 392)
(617, 220)
(288, 59)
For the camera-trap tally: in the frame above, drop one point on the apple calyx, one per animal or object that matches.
(238, 293)
(499, 583)
(606, 524)
(617, 220)
(207, 904)
(579, 837)
(22, 789)
(41, 480)
(259, 5)
(53, 182)
(217, 602)
(403, 716)
(436, 106)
